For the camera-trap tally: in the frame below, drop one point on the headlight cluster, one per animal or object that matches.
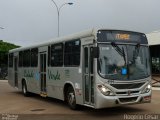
(105, 91)
(147, 89)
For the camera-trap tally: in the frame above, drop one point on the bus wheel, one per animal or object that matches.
(24, 89)
(71, 100)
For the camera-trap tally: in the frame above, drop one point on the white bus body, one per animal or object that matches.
(76, 69)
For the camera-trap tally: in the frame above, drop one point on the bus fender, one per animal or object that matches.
(65, 87)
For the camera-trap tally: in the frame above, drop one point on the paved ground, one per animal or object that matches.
(14, 105)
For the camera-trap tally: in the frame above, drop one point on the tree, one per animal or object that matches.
(4, 49)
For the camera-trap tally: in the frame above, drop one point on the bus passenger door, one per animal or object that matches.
(88, 75)
(43, 73)
(15, 71)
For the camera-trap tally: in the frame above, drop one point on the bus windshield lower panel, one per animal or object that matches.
(123, 62)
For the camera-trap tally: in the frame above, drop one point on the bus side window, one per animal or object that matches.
(11, 60)
(91, 60)
(57, 54)
(21, 59)
(34, 57)
(72, 53)
(26, 58)
(49, 55)
(86, 60)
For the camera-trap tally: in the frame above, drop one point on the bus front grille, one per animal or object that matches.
(126, 93)
(127, 86)
(125, 100)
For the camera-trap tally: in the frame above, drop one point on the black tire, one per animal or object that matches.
(71, 99)
(24, 89)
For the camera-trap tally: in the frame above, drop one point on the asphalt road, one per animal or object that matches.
(15, 106)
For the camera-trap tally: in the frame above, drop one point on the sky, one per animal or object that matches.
(29, 22)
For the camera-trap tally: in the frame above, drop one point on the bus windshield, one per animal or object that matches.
(123, 62)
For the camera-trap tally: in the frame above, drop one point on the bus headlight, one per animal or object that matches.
(105, 91)
(147, 89)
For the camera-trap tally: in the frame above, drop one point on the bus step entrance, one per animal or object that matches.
(43, 94)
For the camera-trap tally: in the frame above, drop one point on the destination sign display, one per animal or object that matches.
(121, 36)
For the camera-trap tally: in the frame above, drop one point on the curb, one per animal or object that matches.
(155, 88)
(3, 80)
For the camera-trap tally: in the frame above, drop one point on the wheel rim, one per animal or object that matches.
(71, 98)
(24, 89)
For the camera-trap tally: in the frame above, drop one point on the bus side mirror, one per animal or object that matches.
(96, 52)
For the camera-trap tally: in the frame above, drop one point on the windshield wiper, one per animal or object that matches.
(136, 52)
(120, 51)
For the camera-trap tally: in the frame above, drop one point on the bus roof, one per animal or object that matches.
(83, 34)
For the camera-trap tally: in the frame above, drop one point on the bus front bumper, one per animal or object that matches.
(113, 101)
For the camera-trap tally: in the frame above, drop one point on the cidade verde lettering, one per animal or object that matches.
(28, 73)
(53, 76)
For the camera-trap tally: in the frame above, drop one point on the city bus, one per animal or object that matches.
(98, 68)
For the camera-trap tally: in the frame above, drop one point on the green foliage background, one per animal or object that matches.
(4, 49)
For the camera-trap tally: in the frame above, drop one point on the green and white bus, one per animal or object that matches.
(97, 68)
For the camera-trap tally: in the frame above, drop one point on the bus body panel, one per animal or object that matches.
(10, 76)
(57, 77)
(31, 76)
